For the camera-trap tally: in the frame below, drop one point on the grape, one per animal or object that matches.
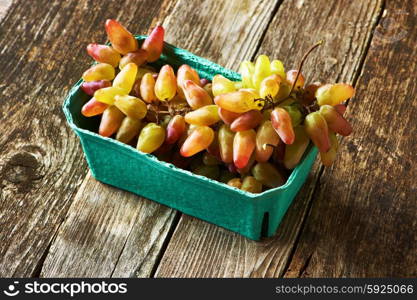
(147, 88)
(151, 138)
(340, 108)
(142, 71)
(209, 89)
(100, 71)
(281, 121)
(279, 153)
(277, 67)
(295, 114)
(138, 57)
(246, 121)
(103, 54)
(199, 139)
(107, 95)
(154, 43)
(243, 146)
(222, 85)
(211, 172)
(204, 82)
(266, 135)
(316, 128)
(196, 96)
(214, 148)
(166, 84)
(250, 184)
(335, 121)
(129, 128)
(227, 116)
(238, 102)
(184, 73)
(235, 182)
(270, 86)
(246, 70)
(292, 75)
(262, 70)
(284, 91)
(175, 129)
(203, 116)
(131, 106)
(268, 175)
(327, 158)
(310, 93)
(120, 38)
(295, 151)
(90, 87)
(245, 170)
(232, 168)
(110, 121)
(210, 159)
(333, 94)
(93, 108)
(126, 78)
(225, 138)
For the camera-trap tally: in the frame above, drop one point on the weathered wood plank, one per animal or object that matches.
(363, 219)
(90, 228)
(41, 165)
(4, 5)
(198, 249)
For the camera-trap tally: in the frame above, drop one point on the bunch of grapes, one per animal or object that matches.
(248, 134)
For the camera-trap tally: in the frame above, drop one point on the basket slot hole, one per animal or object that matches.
(265, 223)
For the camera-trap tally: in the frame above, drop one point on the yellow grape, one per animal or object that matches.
(100, 71)
(126, 78)
(277, 67)
(131, 106)
(121, 39)
(222, 85)
(268, 175)
(265, 136)
(270, 86)
(333, 94)
(151, 138)
(138, 57)
(284, 91)
(327, 158)
(239, 102)
(246, 70)
(226, 137)
(198, 140)
(235, 182)
(166, 84)
(129, 128)
(103, 54)
(295, 151)
(147, 88)
(292, 75)
(262, 70)
(106, 95)
(203, 116)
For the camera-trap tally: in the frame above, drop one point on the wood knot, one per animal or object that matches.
(22, 169)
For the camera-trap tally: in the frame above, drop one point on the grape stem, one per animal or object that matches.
(302, 62)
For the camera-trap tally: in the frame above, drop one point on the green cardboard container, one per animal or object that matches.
(122, 166)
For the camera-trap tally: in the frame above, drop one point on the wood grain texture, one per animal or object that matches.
(41, 164)
(208, 251)
(92, 238)
(131, 248)
(363, 219)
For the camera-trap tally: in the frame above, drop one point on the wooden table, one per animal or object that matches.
(357, 218)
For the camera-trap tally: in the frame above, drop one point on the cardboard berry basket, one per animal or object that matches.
(122, 166)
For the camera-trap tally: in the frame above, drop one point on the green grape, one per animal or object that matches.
(226, 176)
(151, 138)
(226, 137)
(246, 70)
(129, 128)
(295, 114)
(210, 159)
(277, 67)
(268, 175)
(333, 94)
(316, 128)
(250, 184)
(295, 151)
(235, 182)
(211, 172)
